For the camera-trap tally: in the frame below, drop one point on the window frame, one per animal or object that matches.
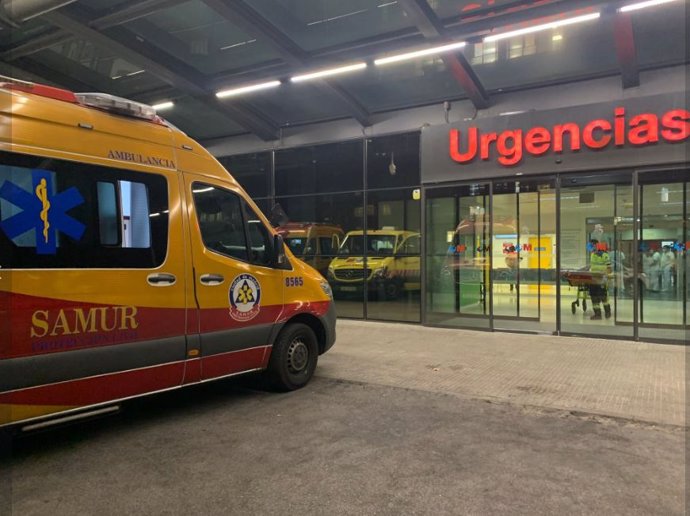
(243, 204)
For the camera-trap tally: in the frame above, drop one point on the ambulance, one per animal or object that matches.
(312, 242)
(389, 269)
(131, 262)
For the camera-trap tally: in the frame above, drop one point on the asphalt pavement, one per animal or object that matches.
(339, 447)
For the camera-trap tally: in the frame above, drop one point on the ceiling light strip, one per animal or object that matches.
(642, 5)
(328, 72)
(419, 53)
(544, 26)
(247, 89)
(163, 105)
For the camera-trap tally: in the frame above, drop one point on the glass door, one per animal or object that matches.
(597, 253)
(523, 264)
(662, 259)
(458, 256)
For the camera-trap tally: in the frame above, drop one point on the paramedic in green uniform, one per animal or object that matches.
(599, 261)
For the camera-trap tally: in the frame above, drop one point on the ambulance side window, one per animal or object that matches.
(220, 221)
(260, 240)
(64, 214)
(411, 246)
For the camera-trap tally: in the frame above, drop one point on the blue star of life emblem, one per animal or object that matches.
(42, 211)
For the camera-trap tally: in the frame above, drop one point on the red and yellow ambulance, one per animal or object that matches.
(131, 263)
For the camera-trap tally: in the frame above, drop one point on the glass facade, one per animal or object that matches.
(592, 253)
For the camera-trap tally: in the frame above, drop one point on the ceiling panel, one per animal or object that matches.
(25, 32)
(98, 66)
(202, 38)
(468, 8)
(297, 104)
(104, 5)
(661, 35)
(570, 52)
(316, 24)
(422, 81)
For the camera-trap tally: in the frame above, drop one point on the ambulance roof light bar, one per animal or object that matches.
(117, 105)
(103, 101)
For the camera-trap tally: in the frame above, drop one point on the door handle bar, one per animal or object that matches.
(161, 279)
(212, 279)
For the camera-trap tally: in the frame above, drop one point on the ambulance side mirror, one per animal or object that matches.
(279, 258)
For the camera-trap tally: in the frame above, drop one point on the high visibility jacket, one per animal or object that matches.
(600, 262)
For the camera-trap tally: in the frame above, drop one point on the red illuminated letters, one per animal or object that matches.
(512, 144)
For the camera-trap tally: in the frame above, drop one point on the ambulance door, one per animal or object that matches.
(238, 292)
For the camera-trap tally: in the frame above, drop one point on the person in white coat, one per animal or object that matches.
(668, 269)
(651, 262)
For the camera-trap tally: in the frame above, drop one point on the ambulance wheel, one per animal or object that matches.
(393, 290)
(293, 358)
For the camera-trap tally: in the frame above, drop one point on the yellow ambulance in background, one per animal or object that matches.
(314, 243)
(131, 262)
(385, 263)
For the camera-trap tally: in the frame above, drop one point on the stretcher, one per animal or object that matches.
(583, 280)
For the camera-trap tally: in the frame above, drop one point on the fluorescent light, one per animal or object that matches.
(419, 53)
(543, 26)
(163, 105)
(246, 89)
(328, 72)
(642, 5)
(240, 44)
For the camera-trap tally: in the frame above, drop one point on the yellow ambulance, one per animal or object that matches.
(314, 243)
(385, 263)
(131, 263)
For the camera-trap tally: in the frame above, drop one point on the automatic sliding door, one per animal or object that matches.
(662, 259)
(523, 261)
(597, 253)
(458, 256)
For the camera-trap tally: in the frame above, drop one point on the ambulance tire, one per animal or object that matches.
(293, 358)
(393, 290)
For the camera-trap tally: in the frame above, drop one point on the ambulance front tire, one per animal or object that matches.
(293, 358)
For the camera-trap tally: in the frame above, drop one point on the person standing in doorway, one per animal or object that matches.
(651, 262)
(599, 262)
(668, 268)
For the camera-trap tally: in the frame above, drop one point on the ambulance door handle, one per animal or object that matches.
(212, 279)
(161, 279)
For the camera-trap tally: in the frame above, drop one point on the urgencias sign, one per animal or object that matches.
(511, 145)
(626, 133)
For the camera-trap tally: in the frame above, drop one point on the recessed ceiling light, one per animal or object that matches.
(419, 53)
(543, 26)
(642, 5)
(163, 105)
(328, 72)
(247, 89)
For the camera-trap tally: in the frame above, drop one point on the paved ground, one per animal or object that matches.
(345, 448)
(640, 381)
(353, 443)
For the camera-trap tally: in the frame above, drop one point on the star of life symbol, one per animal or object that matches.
(244, 296)
(41, 211)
